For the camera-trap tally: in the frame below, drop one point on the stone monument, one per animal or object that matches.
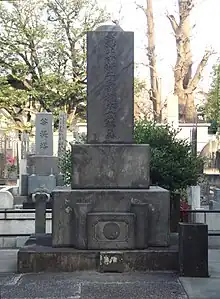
(42, 166)
(111, 215)
(110, 172)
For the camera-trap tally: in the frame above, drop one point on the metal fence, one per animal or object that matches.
(186, 216)
(5, 212)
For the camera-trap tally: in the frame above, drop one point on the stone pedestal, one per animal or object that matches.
(110, 166)
(193, 249)
(112, 201)
(40, 212)
(38, 181)
(42, 165)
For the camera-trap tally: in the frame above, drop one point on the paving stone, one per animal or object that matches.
(92, 285)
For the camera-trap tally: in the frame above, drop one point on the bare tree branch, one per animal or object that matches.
(173, 22)
(198, 74)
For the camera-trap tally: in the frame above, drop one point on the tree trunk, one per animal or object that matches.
(155, 96)
(185, 84)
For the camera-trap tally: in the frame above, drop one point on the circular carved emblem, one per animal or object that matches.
(111, 230)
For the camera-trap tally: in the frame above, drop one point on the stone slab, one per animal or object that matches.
(62, 140)
(8, 261)
(111, 261)
(112, 201)
(49, 259)
(39, 239)
(23, 185)
(44, 134)
(110, 230)
(6, 200)
(41, 181)
(20, 199)
(193, 247)
(110, 166)
(110, 86)
(42, 165)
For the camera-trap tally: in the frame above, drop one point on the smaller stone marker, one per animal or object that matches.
(24, 145)
(44, 134)
(62, 134)
(40, 199)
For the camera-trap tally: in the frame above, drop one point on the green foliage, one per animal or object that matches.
(66, 167)
(139, 86)
(173, 166)
(66, 164)
(43, 55)
(212, 106)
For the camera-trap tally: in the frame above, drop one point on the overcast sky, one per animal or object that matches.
(204, 35)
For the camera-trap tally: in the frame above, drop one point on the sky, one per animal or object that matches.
(204, 35)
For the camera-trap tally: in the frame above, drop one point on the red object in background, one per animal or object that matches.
(11, 160)
(184, 207)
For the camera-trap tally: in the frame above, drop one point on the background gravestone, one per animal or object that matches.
(62, 134)
(44, 134)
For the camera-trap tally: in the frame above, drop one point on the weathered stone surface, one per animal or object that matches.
(42, 165)
(110, 230)
(60, 180)
(6, 199)
(40, 212)
(114, 200)
(37, 181)
(39, 239)
(110, 166)
(193, 249)
(49, 259)
(62, 221)
(62, 134)
(141, 210)
(79, 230)
(44, 134)
(111, 261)
(110, 86)
(23, 185)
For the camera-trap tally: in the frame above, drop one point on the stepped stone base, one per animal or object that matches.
(42, 165)
(48, 259)
(114, 201)
(110, 166)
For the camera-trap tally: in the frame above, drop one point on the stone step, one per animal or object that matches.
(8, 260)
(36, 259)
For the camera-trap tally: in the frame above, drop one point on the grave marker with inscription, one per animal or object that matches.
(44, 134)
(110, 86)
(62, 134)
(110, 205)
(110, 173)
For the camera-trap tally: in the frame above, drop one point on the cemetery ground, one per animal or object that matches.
(93, 285)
